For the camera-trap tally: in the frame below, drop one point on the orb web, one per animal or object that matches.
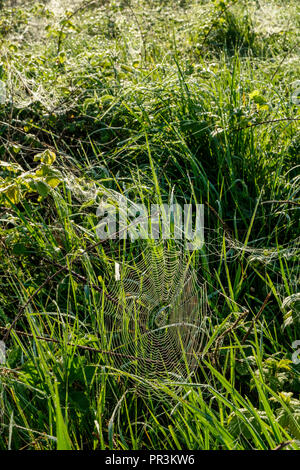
(157, 329)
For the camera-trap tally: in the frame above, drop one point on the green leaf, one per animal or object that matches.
(12, 193)
(258, 98)
(14, 167)
(47, 171)
(42, 188)
(62, 58)
(63, 438)
(46, 157)
(52, 181)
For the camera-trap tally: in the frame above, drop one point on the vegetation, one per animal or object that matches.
(153, 100)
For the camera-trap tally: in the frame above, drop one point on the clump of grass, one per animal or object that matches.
(152, 113)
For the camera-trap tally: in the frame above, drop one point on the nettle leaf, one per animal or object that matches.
(14, 167)
(48, 157)
(12, 193)
(258, 99)
(253, 94)
(38, 186)
(292, 316)
(288, 319)
(289, 418)
(42, 188)
(238, 425)
(278, 374)
(47, 171)
(52, 181)
(15, 148)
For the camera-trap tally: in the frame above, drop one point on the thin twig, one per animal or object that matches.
(226, 332)
(214, 23)
(142, 34)
(232, 327)
(22, 309)
(257, 317)
(62, 268)
(82, 279)
(81, 7)
(283, 444)
(293, 203)
(283, 59)
(77, 346)
(225, 226)
(269, 121)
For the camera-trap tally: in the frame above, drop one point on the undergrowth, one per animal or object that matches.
(153, 101)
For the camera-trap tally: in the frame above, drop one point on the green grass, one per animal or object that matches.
(155, 101)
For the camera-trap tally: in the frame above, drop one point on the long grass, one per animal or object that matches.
(157, 102)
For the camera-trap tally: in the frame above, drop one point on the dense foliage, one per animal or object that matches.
(155, 100)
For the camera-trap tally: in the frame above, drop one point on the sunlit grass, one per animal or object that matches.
(156, 103)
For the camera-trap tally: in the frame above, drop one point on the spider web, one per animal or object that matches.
(159, 326)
